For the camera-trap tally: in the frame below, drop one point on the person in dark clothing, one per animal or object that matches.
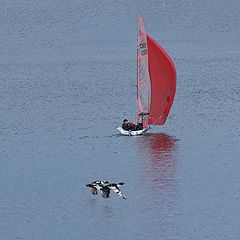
(139, 126)
(129, 126)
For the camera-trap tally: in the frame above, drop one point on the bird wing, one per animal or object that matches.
(116, 189)
(94, 191)
(119, 184)
(105, 192)
(93, 188)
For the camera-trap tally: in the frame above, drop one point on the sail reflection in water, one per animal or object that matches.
(159, 155)
(158, 181)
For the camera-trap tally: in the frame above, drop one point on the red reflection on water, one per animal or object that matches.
(159, 155)
(158, 181)
(158, 146)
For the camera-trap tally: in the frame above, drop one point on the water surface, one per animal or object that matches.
(67, 80)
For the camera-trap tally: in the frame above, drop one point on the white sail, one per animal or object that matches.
(143, 78)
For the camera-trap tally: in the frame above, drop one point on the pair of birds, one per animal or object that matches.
(105, 188)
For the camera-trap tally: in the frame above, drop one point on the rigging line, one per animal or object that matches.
(156, 120)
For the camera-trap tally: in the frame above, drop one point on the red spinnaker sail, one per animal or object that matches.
(163, 82)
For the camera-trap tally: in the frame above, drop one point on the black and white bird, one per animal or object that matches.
(96, 186)
(112, 187)
(105, 187)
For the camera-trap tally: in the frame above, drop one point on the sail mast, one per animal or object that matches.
(144, 85)
(137, 116)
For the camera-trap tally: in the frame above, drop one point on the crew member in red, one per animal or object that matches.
(126, 125)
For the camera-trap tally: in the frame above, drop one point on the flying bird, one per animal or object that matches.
(112, 187)
(96, 185)
(105, 188)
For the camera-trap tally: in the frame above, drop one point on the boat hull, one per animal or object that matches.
(132, 133)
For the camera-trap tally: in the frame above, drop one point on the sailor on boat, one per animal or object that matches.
(129, 126)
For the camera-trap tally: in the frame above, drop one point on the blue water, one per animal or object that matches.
(67, 79)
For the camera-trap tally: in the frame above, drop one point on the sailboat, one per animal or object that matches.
(156, 82)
